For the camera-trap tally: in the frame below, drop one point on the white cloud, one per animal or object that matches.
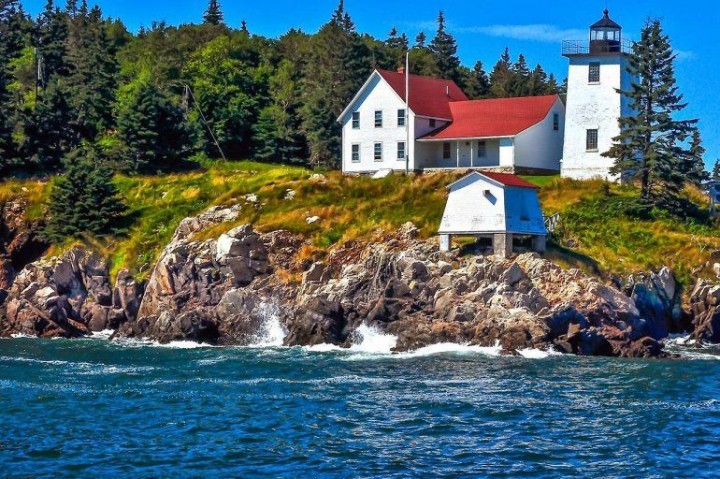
(532, 32)
(685, 55)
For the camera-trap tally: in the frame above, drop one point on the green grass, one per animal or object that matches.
(597, 234)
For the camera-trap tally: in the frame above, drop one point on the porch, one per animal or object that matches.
(465, 153)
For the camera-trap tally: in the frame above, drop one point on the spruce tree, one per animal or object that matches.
(84, 200)
(52, 33)
(650, 147)
(11, 43)
(154, 132)
(213, 15)
(93, 72)
(501, 77)
(716, 171)
(444, 48)
(476, 83)
(695, 161)
(420, 40)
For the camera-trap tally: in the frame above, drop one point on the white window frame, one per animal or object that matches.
(353, 148)
(403, 150)
(401, 117)
(378, 124)
(356, 120)
(375, 152)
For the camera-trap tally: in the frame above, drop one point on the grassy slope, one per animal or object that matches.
(605, 239)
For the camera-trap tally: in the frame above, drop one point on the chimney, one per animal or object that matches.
(401, 70)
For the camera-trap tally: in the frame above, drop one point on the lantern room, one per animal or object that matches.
(605, 36)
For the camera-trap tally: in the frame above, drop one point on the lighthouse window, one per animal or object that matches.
(592, 140)
(594, 74)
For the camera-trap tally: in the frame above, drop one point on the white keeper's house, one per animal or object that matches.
(442, 129)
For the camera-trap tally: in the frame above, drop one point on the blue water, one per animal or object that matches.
(92, 408)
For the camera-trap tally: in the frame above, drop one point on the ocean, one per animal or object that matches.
(103, 409)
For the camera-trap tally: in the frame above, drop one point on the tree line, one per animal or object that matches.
(146, 102)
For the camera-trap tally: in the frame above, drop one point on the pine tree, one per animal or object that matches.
(340, 62)
(52, 32)
(420, 40)
(213, 15)
(444, 48)
(154, 131)
(695, 161)
(650, 146)
(10, 47)
(520, 80)
(50, 129)
(93, 72)
(476, 83)
(84, 200)
(502, 76)
(716, 171)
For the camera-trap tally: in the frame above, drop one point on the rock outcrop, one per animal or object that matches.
(67, 296)
(20, 243)
(705, 310)
(225, 291)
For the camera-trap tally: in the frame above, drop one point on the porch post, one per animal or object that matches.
(457, 153)
(472, 154)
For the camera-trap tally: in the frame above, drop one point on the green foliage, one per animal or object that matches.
(153, 130)
(650, 147)
(84, 200)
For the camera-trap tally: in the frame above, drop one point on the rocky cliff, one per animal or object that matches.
(224, 290)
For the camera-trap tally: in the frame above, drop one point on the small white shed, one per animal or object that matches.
(496, 205)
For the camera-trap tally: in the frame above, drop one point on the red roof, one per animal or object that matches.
(428, 96)
(508, 179)
(493, 118)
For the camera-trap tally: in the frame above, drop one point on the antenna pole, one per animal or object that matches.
(207, 125)
(407, 112)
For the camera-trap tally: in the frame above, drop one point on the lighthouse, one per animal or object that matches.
(598, 69)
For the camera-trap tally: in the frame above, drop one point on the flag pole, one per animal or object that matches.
(407, 112)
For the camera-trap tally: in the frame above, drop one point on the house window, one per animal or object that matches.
(556, 121)
(446, 151)
(356, 153)
(592, 140)
(482, 149)
(356, 120)
(378, 152)
(378, 119)
(401, 117)
(401, 151)
(433, 123)
(594, 73)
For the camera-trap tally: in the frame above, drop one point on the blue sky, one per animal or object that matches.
(483, 30)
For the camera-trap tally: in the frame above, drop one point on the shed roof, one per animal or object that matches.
(503, 179)
(496, 117)
(429, 97)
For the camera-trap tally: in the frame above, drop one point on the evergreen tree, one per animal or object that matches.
(476, 83)
(650, 145)
(395, 47)
(420, 40)
(695, 162)
(84, 200)
(716, 171)
(50, 129)
(93, 72)
(153, 130)
(551, 86)
(520, 78)
(213, 15)
(501, 77)
(339, 63)
(444, 48)
(52, 33)
(10, 47)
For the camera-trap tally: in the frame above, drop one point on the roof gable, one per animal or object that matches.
(500, 179)
(498, 117)
(430, 97)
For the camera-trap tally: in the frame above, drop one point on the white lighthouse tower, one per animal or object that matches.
(598, 69)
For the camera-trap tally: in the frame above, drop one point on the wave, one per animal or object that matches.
(272, 332)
